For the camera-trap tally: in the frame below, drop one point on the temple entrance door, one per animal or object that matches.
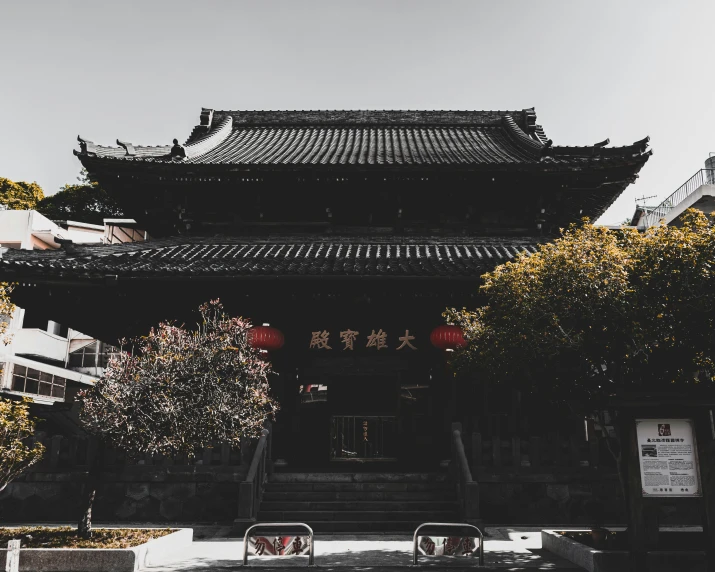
(363, 423)
(363, 437)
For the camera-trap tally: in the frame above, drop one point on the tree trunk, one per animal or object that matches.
(617, 456)
(89, 491)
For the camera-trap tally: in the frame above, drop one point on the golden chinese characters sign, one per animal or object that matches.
(377, 339)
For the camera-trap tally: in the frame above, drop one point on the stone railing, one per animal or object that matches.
(251, 489)
(467, 488)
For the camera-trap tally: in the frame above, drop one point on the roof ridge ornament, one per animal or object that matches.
(597, 147)
(128, 147)
(521, 139)
(529, 119)
(206, 117)
(87, 147)
(538, 131)
(177, 151)
(210, 140)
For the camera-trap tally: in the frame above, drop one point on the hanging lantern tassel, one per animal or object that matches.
(265, 338)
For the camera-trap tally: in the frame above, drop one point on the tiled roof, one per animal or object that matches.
(311, 256)
(363, 138)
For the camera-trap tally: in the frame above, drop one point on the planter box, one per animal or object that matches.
(164, 550)
(619, 560)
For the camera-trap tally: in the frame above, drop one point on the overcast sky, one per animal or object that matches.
(141, 71)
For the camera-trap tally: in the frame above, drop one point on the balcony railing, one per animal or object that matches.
(700, 178)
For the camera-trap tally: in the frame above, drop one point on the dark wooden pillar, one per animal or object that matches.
(633, 495)
(705, 435)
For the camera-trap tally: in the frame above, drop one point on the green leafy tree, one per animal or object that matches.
(20, 195)
(16, 427)
(85, 201)
(181, 390)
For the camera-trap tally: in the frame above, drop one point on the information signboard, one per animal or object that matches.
(668, 458)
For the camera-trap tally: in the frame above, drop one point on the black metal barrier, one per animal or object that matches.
(277, 529)
(446, 527)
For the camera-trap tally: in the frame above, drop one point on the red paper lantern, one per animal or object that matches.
(447, 337)
(265, 338)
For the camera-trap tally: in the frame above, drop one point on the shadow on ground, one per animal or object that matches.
(383, 555)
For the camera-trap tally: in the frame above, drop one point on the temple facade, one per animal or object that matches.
(348, 231)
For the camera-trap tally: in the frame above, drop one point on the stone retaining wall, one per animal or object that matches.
(619, 560)
(196, 493)
(132, 494)
(540, 499)
(156, 552)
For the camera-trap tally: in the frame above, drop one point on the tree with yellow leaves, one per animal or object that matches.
(16, 427)
(20, 196)
(6, 310)
(598, 311)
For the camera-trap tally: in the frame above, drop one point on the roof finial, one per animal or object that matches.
(206, 117)
(128, 147)
(178, 151)
(87, 147)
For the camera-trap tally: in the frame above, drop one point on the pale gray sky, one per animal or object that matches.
(141, 71)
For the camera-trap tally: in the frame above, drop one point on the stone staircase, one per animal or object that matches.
(359, 502)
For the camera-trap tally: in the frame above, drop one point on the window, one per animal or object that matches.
(96, 354)
(37, 382)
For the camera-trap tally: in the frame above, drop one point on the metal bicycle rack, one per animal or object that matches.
(447, 525)
(278, 527)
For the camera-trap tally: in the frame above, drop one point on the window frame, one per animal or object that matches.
(34, 381)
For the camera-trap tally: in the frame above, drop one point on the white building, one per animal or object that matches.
(44, 360)
(697, 192)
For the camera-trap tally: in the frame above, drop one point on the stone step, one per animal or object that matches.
(359, 502)
(406, 527)
(348, 487)
(397, 496)
(313, 516)
(345, 506)
(357, 477)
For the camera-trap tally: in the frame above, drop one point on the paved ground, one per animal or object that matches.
(505, 549)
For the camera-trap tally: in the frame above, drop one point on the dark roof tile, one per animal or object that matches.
(272, 256)
(364, 138)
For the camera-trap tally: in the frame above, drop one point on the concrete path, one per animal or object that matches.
(505, 549)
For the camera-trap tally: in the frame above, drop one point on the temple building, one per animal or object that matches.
(349, 232)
